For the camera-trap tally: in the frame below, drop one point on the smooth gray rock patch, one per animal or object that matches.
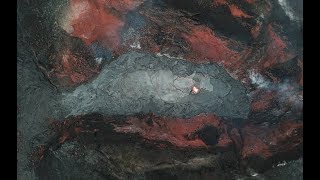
(142, 83)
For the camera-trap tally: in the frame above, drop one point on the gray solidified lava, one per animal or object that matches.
(142, 83)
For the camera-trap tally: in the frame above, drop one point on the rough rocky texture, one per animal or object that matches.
(142, 83)
(292, 170)
(88, 147)
(36, 103)
(37, 95)
(286, 170)
(197, 132)
(152, 147)
(64, 44)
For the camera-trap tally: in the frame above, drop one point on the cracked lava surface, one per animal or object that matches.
(160, 89)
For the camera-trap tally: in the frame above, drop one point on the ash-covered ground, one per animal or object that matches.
(159, 89)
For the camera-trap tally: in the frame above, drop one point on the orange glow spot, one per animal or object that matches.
(195, 90)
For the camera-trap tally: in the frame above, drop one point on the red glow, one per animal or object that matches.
(64, 137)
(237, 12)
(277, 51)
(205, 45)
(255, 31)
(96, 23)
(177, 131)
(262, 100)
(71, 71)
(266, 141)
(37, 154)
(98, 20)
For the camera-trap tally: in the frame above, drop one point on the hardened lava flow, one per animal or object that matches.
(160, 89)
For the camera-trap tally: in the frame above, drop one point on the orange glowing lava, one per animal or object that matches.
(195, 90)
